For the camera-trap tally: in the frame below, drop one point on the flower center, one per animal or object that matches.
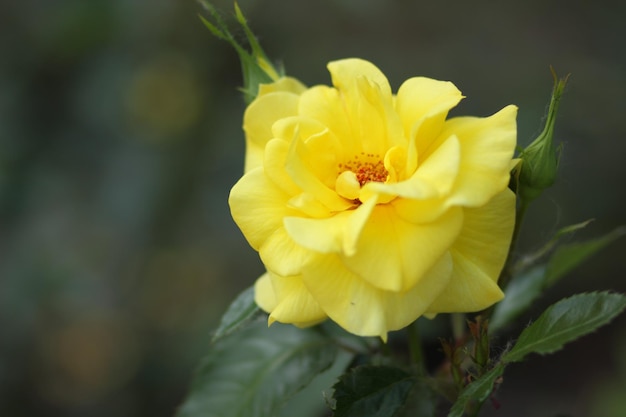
(367, 167)
(355, 173)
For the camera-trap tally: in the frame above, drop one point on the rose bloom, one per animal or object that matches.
(371, 208)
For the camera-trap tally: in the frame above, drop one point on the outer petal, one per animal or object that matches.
(344, 73)
(280, 254)
(285, 84)
(258, 206)
(363, 309)
(294, 303)
(264, 295)
(479, 255)
(422, 98)
(258, 120)
(395, 255)
(487, 146)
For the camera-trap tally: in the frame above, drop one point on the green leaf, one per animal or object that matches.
(519, 295)
(568, 257)
(372, 391)
(312, 400)
(475, 393)
(565, 321)
(253, 372)
(240, 312)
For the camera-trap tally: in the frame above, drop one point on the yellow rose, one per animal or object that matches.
(371, 208)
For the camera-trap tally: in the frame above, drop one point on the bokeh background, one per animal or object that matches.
(120, 139)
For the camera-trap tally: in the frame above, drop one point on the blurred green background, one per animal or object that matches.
(120, 139)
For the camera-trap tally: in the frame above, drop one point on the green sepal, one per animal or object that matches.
(540, 159)
(256, 370)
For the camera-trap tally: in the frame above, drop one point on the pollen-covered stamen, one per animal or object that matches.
(357, 172)
(367, 167)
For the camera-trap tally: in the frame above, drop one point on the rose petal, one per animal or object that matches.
(280, 254)
(434, 178)
(487, 146)
(422, 98)
(258, 120)
(324, 104)
(284, 84)
(395, 255)
(258, 206)
(363, 309)
(336, 234)
(479, 254)
(300, 169)
(264, 295)
(366, 97)
(344, 73)
(294, 303)
(274, 161)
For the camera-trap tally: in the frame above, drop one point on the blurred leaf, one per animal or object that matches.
(372, 391)
(529, 260)
(528, 286)
(571, 229)
(240, 312)
(253, 372)
(567, 257)
(478, 391)
(565, 321)
(520, 295)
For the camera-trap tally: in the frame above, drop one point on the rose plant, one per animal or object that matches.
(374, 208)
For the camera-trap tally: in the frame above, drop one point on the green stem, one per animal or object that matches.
(415, 346)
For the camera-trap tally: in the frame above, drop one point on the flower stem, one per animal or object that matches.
(415, 346)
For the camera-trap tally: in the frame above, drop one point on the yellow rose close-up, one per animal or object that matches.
(373, 208)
